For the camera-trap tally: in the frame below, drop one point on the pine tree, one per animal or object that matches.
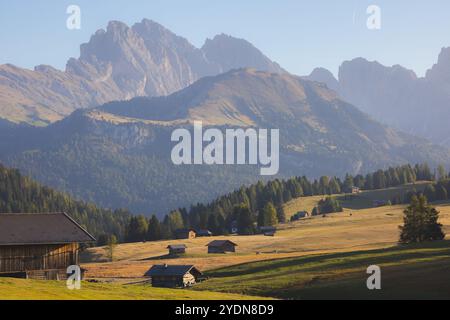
(244, 220)
(268, 216)
(111, 246)
(281, 214)
(420, 222)
(154, 229)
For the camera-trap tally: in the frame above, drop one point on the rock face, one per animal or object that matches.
(396, 96)
(118, 155)
(120, 63)
(324, 76)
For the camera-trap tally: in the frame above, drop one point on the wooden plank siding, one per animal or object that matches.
(21, 258)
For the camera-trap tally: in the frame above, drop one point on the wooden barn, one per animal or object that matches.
(204, 233)
(185, 234)
(268, 231)
(39, 245)
(221, 246)
(177, 249)
(175, 276)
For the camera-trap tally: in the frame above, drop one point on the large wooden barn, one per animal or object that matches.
(175, 276)
(39, 245)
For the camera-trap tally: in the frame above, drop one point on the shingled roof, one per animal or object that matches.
(220, 243)
(40, 228)
(174, 270)
(176, 246)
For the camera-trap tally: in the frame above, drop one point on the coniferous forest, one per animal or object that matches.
(258, 204)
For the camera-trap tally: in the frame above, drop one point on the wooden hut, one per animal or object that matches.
(268, 231)
(221, 246)
(173, 276)
(176, 249)
(204, 233)
(39, 245)
(185, 234)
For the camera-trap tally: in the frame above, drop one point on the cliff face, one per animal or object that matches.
(120, 63)
(396, 96)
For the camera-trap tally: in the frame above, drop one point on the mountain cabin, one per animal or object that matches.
(268, 231)
(39, 245)
(177, 249)
(221, 246)
(185, 234)
(175, 276)
(204, 233)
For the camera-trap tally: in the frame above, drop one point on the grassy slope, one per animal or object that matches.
(352, 230)
(413, 272)
(364, 200)
(52, 290)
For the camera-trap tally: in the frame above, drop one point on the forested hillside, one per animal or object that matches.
(249, 205)
(19, 194)
(259, 203)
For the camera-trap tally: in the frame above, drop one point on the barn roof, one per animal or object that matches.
(220, 243)
(203, 232)
(268, 229)
(176, 246)
(174, 270)
(40, 228)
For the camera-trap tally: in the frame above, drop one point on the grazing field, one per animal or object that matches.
(15, 289)
(318, 257)
(349, 231)
(410, 272)
(363, 200)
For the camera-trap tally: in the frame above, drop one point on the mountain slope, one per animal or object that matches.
(118, 155)
(19, 194)
(120, 63)
(396, 96)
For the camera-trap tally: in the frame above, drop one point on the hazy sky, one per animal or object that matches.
(300, 35)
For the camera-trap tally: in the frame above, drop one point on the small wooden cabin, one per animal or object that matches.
(176, 249)
(221, 246)
(356, 190)
(204, 233)
(268, 231)
(39, 245)
(185, 234)
(174, 276)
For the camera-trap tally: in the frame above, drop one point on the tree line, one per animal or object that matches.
(261, 204)
(20, 194)
(247, 208)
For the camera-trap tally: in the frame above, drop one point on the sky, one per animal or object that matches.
(299, 35)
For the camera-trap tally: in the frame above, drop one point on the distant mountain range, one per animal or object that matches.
(118, 154)
(120, 63)
(396, 96)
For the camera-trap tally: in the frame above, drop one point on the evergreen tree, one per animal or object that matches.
(268, 216)
(441, 173)
(110, 248)
(245, 222)
(281, 214)
(154, 232)
(420, 222)
(137, 229)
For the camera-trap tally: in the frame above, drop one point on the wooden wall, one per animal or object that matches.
(38, 257)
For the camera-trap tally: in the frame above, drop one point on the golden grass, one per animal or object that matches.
(341, 232)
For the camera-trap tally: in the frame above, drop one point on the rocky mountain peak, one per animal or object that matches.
(440, 72)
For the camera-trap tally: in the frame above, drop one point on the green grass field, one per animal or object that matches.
(409, 272)
(15, 289)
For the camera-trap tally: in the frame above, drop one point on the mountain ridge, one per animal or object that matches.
(396, 95)
(119, 63)
(119, 154)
